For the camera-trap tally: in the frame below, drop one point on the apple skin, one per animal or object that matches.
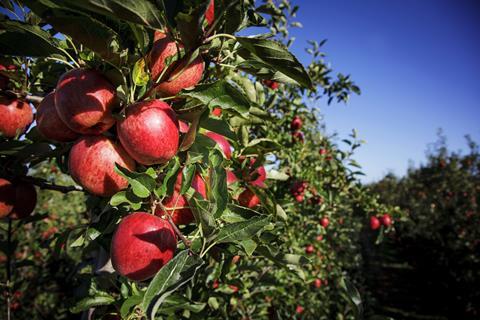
(271, 84)
(374, 223)
(299, 197)
(7, 196)
(25, 200)
(210, 13)
(309, 249)
(296, 123)
(49, 123)
(199, 185)
(248, 199)
(222, 142)
(322, 152)
(142, 245)
(15, 117)
(84, 100)
(183, 126)
(324, 222)
(317, 283)
(231, 177)
(299, 309)
(182, 76)
(386, 220)
(217, 112)
(150, 132)
(258, 174)
(92, 165)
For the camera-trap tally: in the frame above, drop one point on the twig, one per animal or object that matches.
(44, 184)
(185, 241)
(25, 96)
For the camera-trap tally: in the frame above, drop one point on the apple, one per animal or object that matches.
(217, 112)
(92, 165)
(150, 132)
(4, 79)
(255, 177)
(248, 199)
(183, 126)
(7, 197)
(322, 152)
(25, 200)
(179, 76)
(231, 177)
(15, 117)
(309, 249)
(142, 245)
(296, 123)
(271, 84)
(235, 259)
(49, 123)
(319, 238)
(298, 187)
(299, 197)
(199, 185)
(317, 283)
(84, 100)
(298, 137)
(299, 309)
(374, 223)
(233, 287)
(324, 222)
(210, 13)
(386, 220)
(222, 142)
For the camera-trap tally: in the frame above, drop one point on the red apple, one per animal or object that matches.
(231, 177)
(49, 123)
(248, 199)
(299, 309)
(149, 132)
(179, 76)
(322, 152)
(210, 13)
(255, 177)
(374, 223)
(25, 200)
(84, 100)
(7, 197)
(319, 238)
(296, 123)
(142, 245)
(317, 283)
(324, 222)
(309, 249)
(92, 165)
(199, 185)
(271, 84)
(298, 187)
(299, 197)
(386, 220)
(234, 288)
(222, 142)
(217, 112)
(183, 126)
(15, 117)
(298, 137)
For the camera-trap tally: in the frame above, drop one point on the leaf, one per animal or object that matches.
(129, 304)
(218, 183)
(249, 245)
(277, 56)
(173, 275)
(220, 94)
(142, 183)
(21, 39)
(142, 12)
(102, 300)
(140, 75)
(219, 126)
(277, 175)
(241, 230)
(352, 295)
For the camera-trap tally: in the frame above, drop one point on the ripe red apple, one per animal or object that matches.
(298, 187)
(309, 249)
(217, 112)
(248, 199)
(142, 245)
(324, 222)
(7, 197)
(150, 132)
(92, 165)
(255, 177)
(299, 309)
(386, 220)
(233, 287)
(15, 117)
(296, 123)
(199, 185)
(297, 137)
(231, 177)
(84, 100)
(319, 238)
(181, 76)
(322, 151)
(210, 13)
(317, 283)
(49, 123)
(271, 84)
(25, 200)
(222, 142)
(299, 197)
(374, 223)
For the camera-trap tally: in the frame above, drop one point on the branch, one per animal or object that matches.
(44, 184)
(25, 96)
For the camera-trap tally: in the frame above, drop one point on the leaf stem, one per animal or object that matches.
(218, 35)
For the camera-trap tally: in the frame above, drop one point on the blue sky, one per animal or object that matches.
(418, 65)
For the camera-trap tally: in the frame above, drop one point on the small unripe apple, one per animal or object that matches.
(324, 222)
(15, 117)
(49, 123)
(296, 123)
(386, 220)
(309, 249)
(92, 165)
(178, 78)
(222, 142)
(374, 223)
(142, 245)
(84, 100)
(299, 309)
(25, 200)
(150, 132)
(217, 112)
(248, 199)
(317, 283)
(7, 197)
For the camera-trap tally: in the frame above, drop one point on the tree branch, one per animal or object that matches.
(44, 184)
(25, 96)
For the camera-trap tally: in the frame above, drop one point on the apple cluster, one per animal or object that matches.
(376, 222)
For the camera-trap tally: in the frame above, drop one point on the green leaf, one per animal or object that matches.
(352, 295)
(140, 76)
(102, 300)
(129, 304)
(220, 94)
(218, 183)
(142, 183)
(249, 245)
(21, 39)
(241, 230)
(277, 57)
(169, 179)
(173, 275)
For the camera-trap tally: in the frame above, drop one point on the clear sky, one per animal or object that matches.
(417, 63)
